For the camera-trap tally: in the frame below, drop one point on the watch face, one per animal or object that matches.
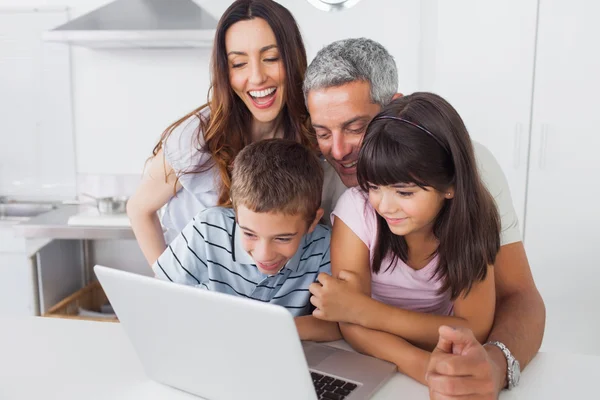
(516, 373)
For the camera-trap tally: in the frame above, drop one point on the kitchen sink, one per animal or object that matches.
(22, 211)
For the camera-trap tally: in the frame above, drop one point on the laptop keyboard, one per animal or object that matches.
(330, 388)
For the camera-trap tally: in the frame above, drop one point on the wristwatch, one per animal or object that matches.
(513, 372)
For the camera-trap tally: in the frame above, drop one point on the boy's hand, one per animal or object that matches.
(337, 299)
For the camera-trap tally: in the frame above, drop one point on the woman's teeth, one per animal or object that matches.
(350, 165)
(261, 93)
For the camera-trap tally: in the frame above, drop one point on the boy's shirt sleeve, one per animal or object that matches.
(325, 264)
(184, 260)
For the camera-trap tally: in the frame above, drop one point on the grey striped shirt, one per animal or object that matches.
(208, 253)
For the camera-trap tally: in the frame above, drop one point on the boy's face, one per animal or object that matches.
(272, 239)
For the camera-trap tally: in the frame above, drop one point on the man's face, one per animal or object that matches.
(340, 116)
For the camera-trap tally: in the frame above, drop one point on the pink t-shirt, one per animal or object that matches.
(401, 286)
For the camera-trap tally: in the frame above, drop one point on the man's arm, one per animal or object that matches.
(519, 323)
(520, 312)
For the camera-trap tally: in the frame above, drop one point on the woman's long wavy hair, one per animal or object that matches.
(227, 130)
(468, 226)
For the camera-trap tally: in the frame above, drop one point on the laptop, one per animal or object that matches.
(222, 347)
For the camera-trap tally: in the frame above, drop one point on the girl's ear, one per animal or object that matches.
(449, 194)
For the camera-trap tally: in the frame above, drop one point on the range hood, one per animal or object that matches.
(139, 24)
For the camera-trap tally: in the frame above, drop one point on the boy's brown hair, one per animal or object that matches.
(277, 175)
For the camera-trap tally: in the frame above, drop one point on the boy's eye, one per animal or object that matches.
(249, 235)
(283, 240)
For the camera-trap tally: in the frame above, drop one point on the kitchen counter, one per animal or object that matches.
(53, 225)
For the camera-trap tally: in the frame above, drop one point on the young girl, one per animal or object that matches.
(258, 64)
(413, 246)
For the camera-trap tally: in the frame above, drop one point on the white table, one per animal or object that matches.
(44, 358)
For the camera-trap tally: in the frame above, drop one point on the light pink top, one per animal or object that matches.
(401, 286)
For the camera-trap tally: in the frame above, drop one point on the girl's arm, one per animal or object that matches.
(348, 298)
(410, 360)
(155, 190)
(474, 311)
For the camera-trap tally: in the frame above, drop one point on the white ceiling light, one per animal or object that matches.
(333, 5)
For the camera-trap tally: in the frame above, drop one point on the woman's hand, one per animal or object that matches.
(338, 299)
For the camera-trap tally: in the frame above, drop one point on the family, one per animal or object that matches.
(370, 215)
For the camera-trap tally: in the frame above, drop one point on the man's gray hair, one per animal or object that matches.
(351, 60)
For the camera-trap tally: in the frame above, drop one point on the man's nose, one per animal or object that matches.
(339, 147)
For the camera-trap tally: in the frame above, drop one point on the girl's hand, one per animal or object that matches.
(337, 299)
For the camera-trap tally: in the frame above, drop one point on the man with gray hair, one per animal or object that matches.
(346, 85)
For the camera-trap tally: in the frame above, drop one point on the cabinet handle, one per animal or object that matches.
(543, 144)
(517, 146)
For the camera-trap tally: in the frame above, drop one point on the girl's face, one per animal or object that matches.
(407, 208)
(256, 71)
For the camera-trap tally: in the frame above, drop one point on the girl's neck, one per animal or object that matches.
(266, 130)
(421, 245)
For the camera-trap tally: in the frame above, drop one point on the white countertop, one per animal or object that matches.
(45, 358)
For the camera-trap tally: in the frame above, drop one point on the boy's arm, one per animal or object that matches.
(311, 328)
(184, 260)
(317, 330)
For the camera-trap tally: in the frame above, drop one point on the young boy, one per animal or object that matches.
(270, 247)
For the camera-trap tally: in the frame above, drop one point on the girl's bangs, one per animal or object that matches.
(383, 160)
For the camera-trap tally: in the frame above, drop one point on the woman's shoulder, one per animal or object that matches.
(183, 146)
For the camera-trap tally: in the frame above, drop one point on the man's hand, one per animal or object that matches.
(337, 299)
(461, 368)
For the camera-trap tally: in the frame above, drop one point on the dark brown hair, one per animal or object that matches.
(227, 130)
(468, 225)
(278, 175)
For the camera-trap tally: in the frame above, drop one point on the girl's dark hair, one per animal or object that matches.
(468, 225)
(227, 131)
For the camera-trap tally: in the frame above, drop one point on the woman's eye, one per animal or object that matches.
(274, 59)
(239, 65)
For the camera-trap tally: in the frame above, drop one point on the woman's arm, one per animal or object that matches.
(155, 190)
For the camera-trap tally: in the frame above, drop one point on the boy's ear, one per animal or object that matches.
(318, 217)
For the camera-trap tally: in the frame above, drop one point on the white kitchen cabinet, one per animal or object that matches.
(562, 215)
(479, 56)
(18, 278)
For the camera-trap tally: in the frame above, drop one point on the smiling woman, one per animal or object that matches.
(257, 68)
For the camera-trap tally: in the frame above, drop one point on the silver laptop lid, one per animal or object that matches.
(214, 345)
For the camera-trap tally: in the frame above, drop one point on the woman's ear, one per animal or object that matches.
(449, 194)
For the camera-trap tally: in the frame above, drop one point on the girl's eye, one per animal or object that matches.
(372, 187)
(405, 194)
